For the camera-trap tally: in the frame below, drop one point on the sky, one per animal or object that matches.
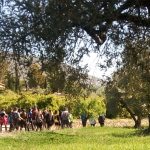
(92, 60)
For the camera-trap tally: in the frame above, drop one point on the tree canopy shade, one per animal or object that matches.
(55, 28)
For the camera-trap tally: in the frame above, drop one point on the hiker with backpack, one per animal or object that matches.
(84, 118)
(92, 121)
(23, 121)
(39, 120)
(70, 118)
(3, 119)
(29, 119)
(49, 119)
(16, 118)
(10, 120)
(45, 113)
(57, 121)
(65, 118)
(101, 120)
(34, 116)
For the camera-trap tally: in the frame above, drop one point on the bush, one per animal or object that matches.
(93, 105)
(8, 99)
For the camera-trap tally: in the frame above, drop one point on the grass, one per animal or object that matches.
(106, 138)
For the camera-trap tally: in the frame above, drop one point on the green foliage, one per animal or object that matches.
(113, 107)
(42, 33)
(36, 78)
(4, 68)
(76, 81)
(131, 81)
(51, 101)
(26, 100)
(56, 78)
(10, 81)
(92, 106)
(8, 99)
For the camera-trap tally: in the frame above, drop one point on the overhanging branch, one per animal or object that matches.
(134, 3)
(134, 19)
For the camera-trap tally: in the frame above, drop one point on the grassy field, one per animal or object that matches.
(96, 138)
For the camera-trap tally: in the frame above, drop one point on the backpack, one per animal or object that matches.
(29, 116)
(23, 115)
(56, 118)
(101, 119)
(65, 116)
(39, 118)
(10, 117)
(15, 116)
(50, 119)
(83, 117)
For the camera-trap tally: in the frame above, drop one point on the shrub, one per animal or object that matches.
(93, 106)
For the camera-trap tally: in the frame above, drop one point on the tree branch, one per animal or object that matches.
(99, 38)
(134, 3)
(134, 19)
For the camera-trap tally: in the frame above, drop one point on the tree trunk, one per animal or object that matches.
(149, 121)
(17, 81)
(137, 122)
(26, 85)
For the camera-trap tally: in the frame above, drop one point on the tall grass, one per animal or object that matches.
(89, 138)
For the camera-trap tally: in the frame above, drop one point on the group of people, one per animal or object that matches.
(92, 120)
(35, 119)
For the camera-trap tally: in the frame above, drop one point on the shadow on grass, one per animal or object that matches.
(143, 132)
(33, 140)
(47, 137)
(135, 133)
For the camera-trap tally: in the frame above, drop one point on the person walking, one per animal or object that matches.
(84, 118)
(101, 120)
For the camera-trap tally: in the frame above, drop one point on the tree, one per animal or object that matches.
(113, 108)
(138, 65)
(36, 77)
(10, 81)
(119, 98)
(76, 81)
(4, 68)
(56, 79)
(131, 82)
(56, 24)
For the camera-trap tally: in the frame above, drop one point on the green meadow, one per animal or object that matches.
(90, 138)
